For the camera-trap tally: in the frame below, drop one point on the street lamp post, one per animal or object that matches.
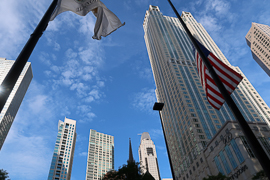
(158, 107)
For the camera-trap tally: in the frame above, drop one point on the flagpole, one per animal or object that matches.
(251, 138)
(16, 69)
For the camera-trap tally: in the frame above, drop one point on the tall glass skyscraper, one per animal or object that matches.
(63, 154)
(100, 158)
(190, 122)
(14, 100)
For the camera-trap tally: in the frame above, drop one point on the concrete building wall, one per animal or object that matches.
(229, 153)
(100, 157)
(258, 39)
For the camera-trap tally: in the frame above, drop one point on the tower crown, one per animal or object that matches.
(146, 136)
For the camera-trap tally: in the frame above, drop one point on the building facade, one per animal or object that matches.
(148, 156)
(229, 153)
(14, 100)
(100, 157)
(258, 39)
(189, 121)
(61, 165)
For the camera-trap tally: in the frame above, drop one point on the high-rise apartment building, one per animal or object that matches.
(189, 121)
(258, 39)
(63, 154)
(14, 100)
(100, 158)
(148, 156)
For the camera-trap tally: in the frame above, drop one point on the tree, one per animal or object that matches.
(3, 174)
(220, 176)
(260, 176)
(130, 171)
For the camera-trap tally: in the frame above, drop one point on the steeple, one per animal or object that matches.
(130, 159)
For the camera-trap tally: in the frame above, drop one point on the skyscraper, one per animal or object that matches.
(14, 100)
(258, 39)
(100, 158)
(63, 154)
(148, 156)
(189, 121)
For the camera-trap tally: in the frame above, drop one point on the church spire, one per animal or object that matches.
(130, 159)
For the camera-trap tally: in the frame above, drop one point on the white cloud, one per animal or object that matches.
(83, 154)
(144, 100)
(156, 133)
(17, 24)
(86, 113)
(31, 154)
(146, 73)
(220, 7)
(209, 23)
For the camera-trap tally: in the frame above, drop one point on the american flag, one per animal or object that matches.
(228, 77)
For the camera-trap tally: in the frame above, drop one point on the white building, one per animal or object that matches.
(14, 100)
(63, 154)
(148, 156)
(189, 121)
(258, 39)
(100, 157)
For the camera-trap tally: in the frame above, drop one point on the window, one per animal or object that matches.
(246, 145)
(264, 128)
(230, 156)
(255, 128)
(201, 136)
(237, 151)
(224, 162)
(220, 169)
(265, 144)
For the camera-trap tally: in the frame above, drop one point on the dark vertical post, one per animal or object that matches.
(251, 138)
(158, 107)
(15, 71)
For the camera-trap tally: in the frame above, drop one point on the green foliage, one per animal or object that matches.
(3, 174)
(220, 176)
(130, 171)
(260, 176)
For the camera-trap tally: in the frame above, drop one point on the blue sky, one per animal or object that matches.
(105, 85)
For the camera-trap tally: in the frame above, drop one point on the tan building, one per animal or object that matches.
(258, 39)
(229, 153)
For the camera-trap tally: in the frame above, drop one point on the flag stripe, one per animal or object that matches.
(225, 68)
(224, 72)
(227, 75)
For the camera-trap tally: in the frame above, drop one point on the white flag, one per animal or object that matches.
(106, 23)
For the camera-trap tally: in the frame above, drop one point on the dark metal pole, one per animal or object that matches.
(169, 154)
(158, 107)
(251, 138)
(15, 71)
